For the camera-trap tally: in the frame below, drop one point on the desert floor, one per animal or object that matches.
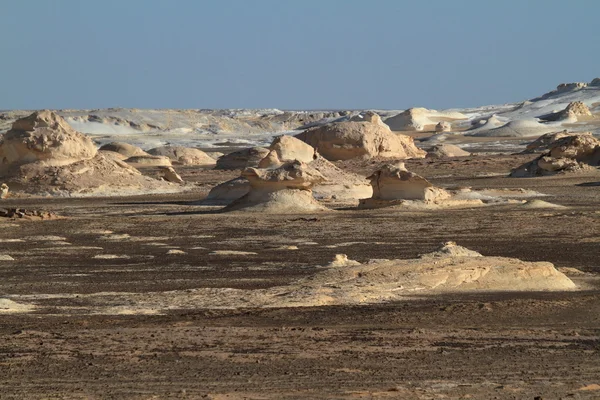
(478, 346)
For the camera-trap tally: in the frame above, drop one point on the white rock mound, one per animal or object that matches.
(242, 159)
(43, 155)
(394, 184)
(184, 155)
(368, 116)
(517, 128)
(568, 154)
(126, 150)
(286, 189)
(421, 119)
(346, 140)
(45, 138)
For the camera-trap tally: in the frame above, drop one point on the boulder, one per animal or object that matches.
(394, 183)
(567, 154)
(443, 126)
(285, 149)
(446, 150)
(148, 161)
(346, 140)
(126, 150)
(43, 137)
(419, 119)
(286, 189)
(242, 159)
(183, 155)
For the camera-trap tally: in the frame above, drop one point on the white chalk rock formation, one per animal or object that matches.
(285, 149)
(568, 154)
(170, 175)
(346, 140)
(126, 150)
(286, 189)
(183, 155)
(544, 142)
(443, 126)
(393, 184)
(227, 192)
(3, 191)
(517, 128)
(43, 137)
(575, 110)
(242, 159)
(148, 161)
(446, 150)
(421, 119)
(368, 116)
(566, 87)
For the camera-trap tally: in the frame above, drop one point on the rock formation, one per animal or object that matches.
(43, 155)
(443, 126)
(43, 137)
(126, 150)
(446, 150)
(368, 116)
(567, 154)
(543, 142)
(286, 189)
(3, 191)
(516, 128)
(595, 82)
(183, 155)
(565, 87)
(420, 119)
(575, 109)
(285, 149)
(394, 184)
(242, 159)
(170, 175)
(148, 161)
(346, 140)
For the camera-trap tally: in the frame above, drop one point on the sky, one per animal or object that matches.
(293, 54)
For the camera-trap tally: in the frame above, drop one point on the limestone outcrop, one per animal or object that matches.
(126, 150)
(43, 137)
(242, 159)
(346, 140)
(544, 142)
(568, 154)
(286, 189)
(393, 184)
(443, 126)
(421, 119)
(285, 149)
(183, 155)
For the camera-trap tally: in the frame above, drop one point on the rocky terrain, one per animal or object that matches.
(327, 255)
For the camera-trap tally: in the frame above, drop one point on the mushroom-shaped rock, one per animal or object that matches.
(242, 159)
(286, 189)
(170, 175)
(393, 184)
(443, 126)
(183, 155)
(149, 161)
(346, 140)
(45, 137)
(285, 149)
(446, 150)
(419, 119)
(126, 150)
(567, 154)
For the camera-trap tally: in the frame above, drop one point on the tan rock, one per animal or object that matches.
(242, 159)
(393, 183)
(43, 137)
(346, 140)
(149, 161)
(567, 154)
(125, 149)
(544, 142)
(368, 116)
(574, 111)
(285, 149)
(170, 175)
(3, 191)
(184, 155)
(286, 189)
(443, 126)
(446, 150)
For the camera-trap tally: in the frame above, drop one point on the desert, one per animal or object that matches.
(292, 200)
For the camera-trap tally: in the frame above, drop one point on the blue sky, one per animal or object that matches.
(310, 54)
